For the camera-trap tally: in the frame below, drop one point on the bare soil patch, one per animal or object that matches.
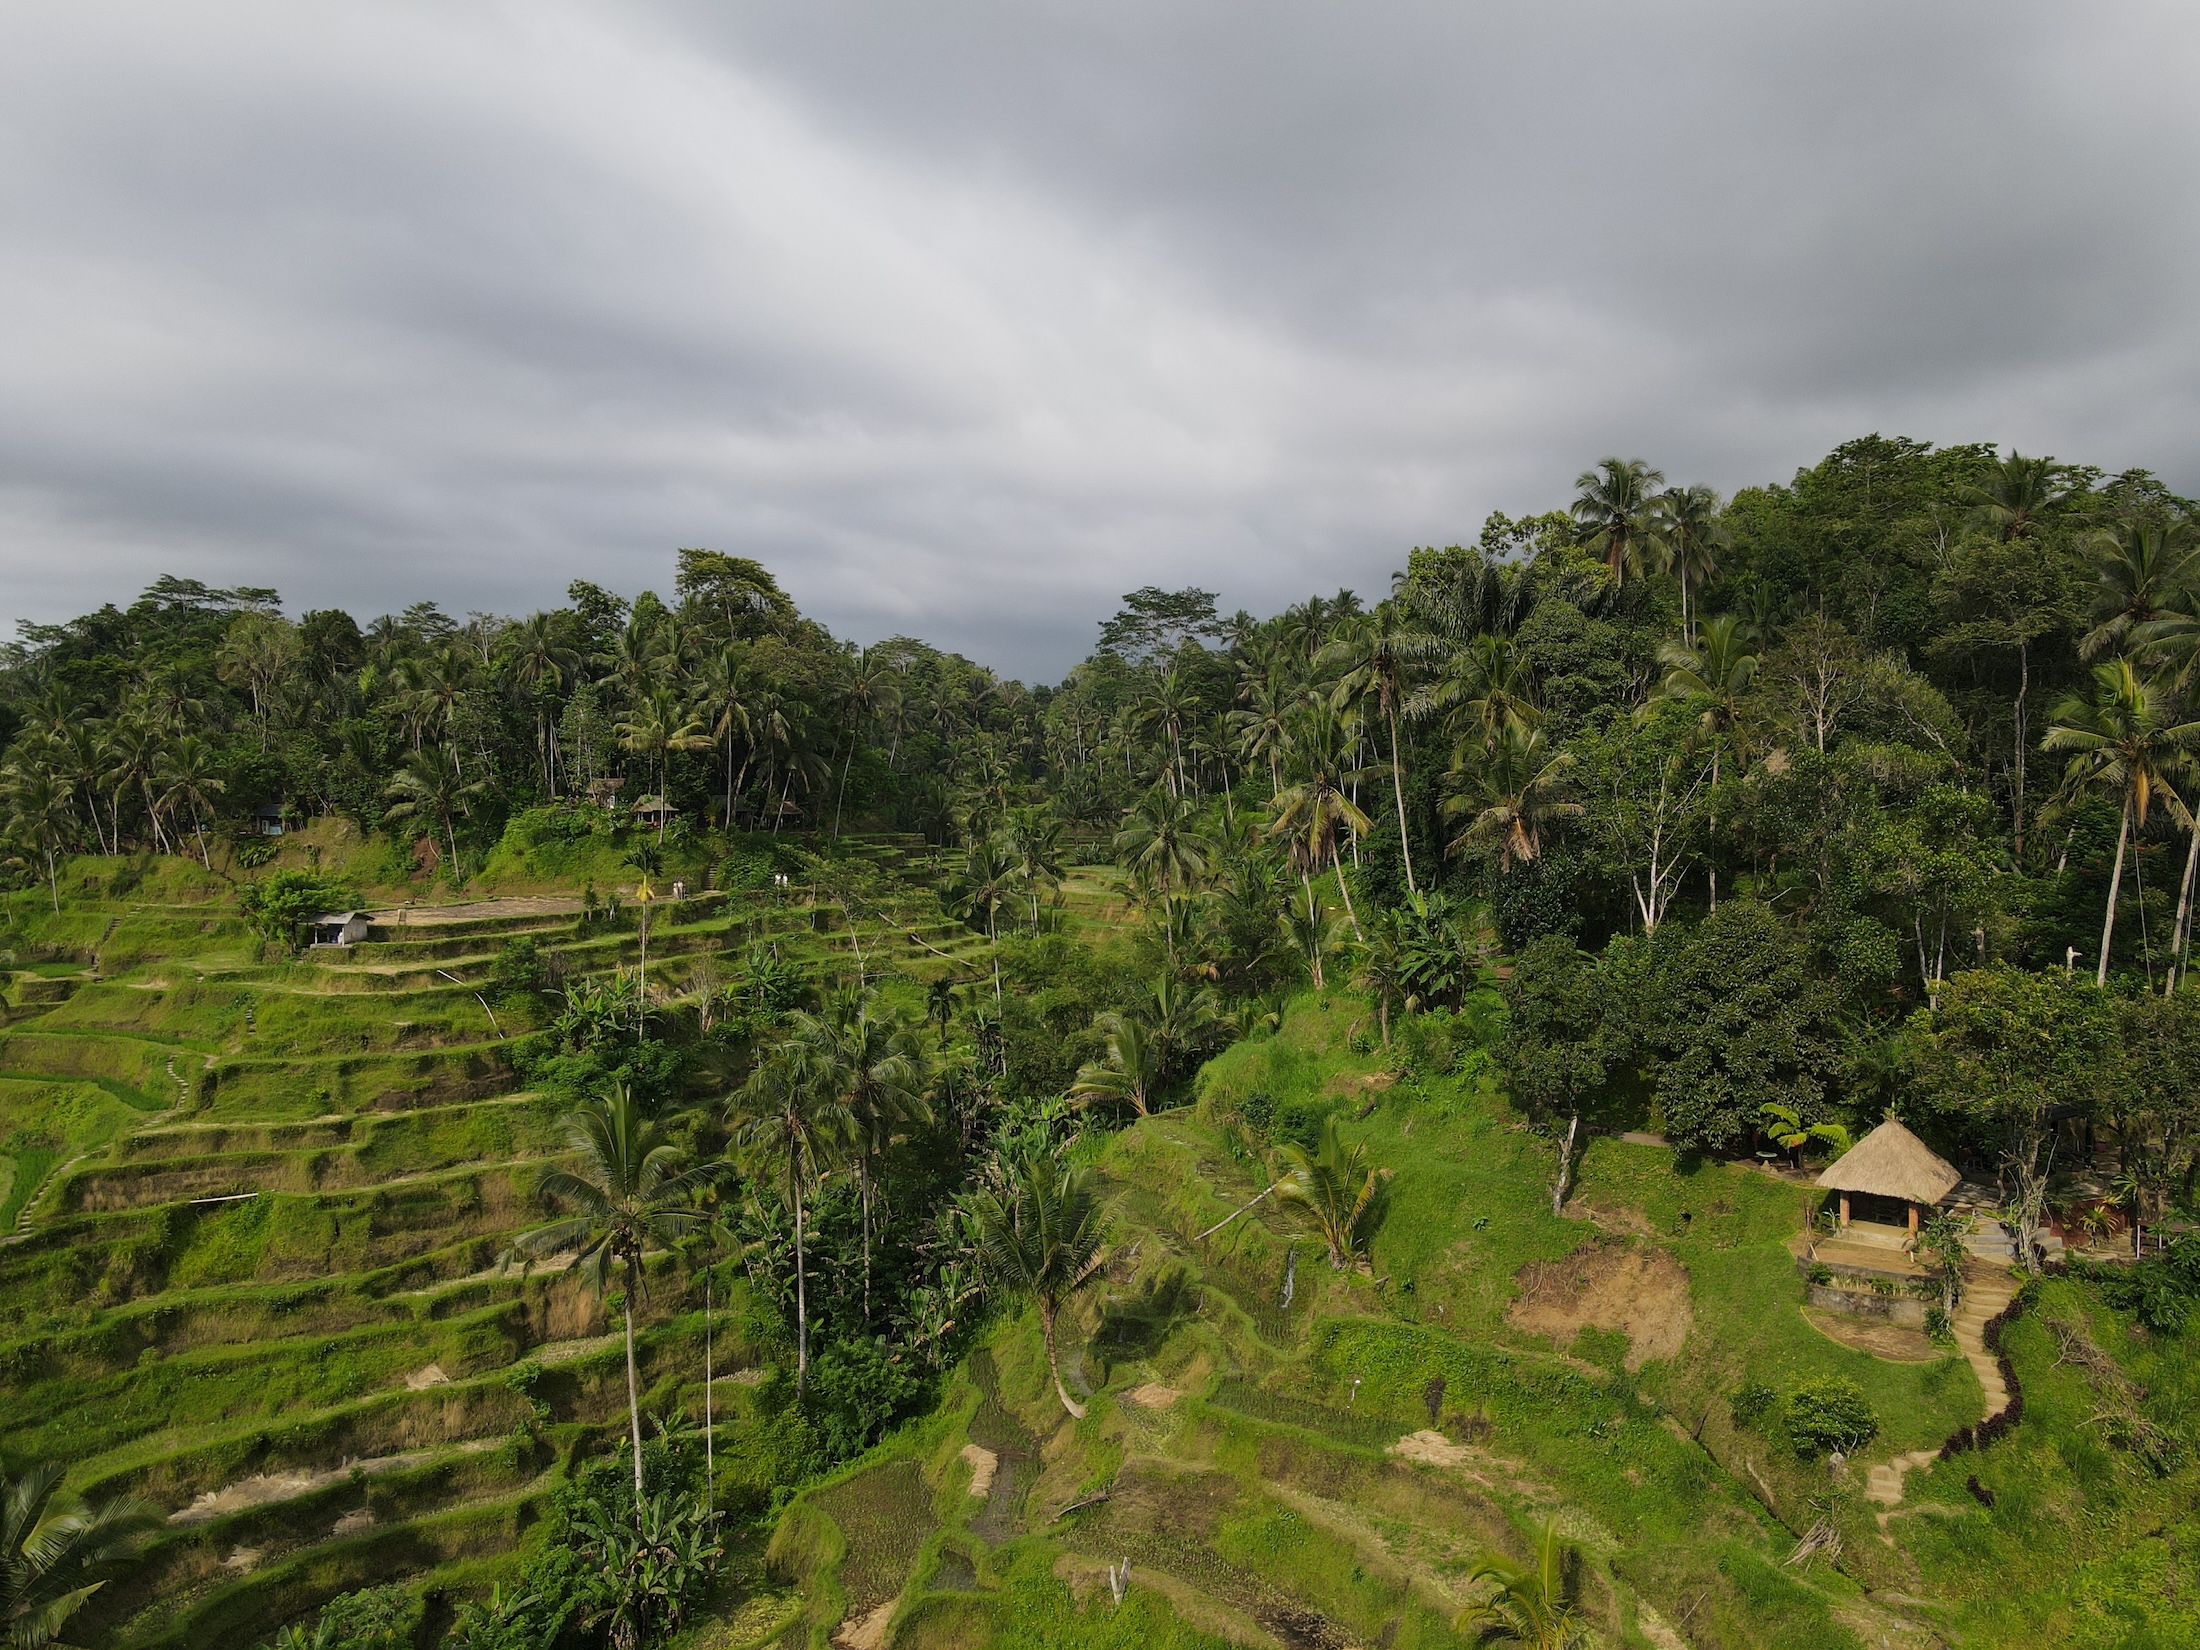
(1893, 1342)
(1638, 1290)
(867, 1632)
(983, 1465)
(1153, 1395)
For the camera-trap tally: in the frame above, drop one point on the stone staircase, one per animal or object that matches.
(1986, 1291)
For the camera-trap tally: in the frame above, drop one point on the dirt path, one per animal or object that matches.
(267, 1488)
(517, 905)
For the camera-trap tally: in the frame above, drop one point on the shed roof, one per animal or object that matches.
(333, 918)
(1892, 1162)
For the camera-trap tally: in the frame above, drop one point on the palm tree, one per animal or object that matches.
(2147, 572)
(1312, 814)
(869, 690)
(1165, 709)
(430, 789)
(1508, 791)
(1336, 1187)
(1481, 688)
(187, 775)
(1132, 1070)
(1617, 513)
(1160, 841)
(1533, 1605)
(53, 1546)
(1043, 1233)
(2017, 496)
(984, 883)
(2122, 739)
(657, 726)
(38, 815)
(871, 1062)
(1375, 653)
(1263, 728)
(1689, 534)
(1034, 837)
(1712, 678)
(724, 692)
(630, 1190)
(784, 1113)
(542, 664)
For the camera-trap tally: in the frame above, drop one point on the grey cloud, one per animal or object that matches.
(968, 317)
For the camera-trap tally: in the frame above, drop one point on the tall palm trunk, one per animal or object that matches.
(1047, 1310)
(2115, 885)
(1345, 889)
(801, 1280)
(633, 1384)
(1398, 788)
(2181, 931)
(1313, 918)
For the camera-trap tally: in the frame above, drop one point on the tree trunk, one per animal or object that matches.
(710, 1435)
(1345, 890)
(2115, 884)
(2024, 686)
(801, 1281)
(2181, 933)
(1054, 1367)
(1313, 919)
(1398, 788)
(1565, 1166)
(633, 1386)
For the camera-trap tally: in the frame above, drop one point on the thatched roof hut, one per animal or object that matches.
(1891, 1162)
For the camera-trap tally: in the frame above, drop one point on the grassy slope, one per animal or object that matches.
(1266, 1489)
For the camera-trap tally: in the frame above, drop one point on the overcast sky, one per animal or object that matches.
(967, 318)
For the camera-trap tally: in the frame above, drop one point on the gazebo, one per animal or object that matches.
(1893, 1164)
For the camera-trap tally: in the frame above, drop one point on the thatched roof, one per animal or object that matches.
(1892, 1162)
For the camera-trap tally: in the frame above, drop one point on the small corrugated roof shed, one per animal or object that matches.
(1892, 1162)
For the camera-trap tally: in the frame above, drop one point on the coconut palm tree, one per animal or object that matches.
(1712, 678)
(871, 1061)
(430, 789)
(1689, 534)
(1262, 728)
(654, 728)
(2147, 584)
(1132, 1069)
(873, 685)
(1374, 655)
(1043, 1233)
(1313, 813)
(786, 1115)
(2122, 740)
(1533, 1604)
(631, 1189)
(53, 1546)
(980, 886)
(1508, 791)
(38, 818)
(187, 775)
(1337, 1188)
(1482, 687)
(1034, 838)
(1617, 511)
(542, 664)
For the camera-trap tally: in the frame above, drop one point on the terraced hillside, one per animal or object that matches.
(254, 1206)
(1291, 1456)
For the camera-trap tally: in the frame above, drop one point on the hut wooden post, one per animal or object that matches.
(1844, 1211)
(1913, 1221)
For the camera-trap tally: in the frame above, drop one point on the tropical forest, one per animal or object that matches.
(1635, 1086)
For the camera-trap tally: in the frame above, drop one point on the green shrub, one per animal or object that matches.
(1821, 1273)
(379, 1618)
(1829, 1412)
(1751, 1403)
(277, 905)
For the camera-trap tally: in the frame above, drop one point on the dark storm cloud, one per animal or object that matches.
(968, 318)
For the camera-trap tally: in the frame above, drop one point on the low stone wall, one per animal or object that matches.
(1906, 1310)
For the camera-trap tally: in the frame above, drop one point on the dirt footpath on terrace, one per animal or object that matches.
(428, 916)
